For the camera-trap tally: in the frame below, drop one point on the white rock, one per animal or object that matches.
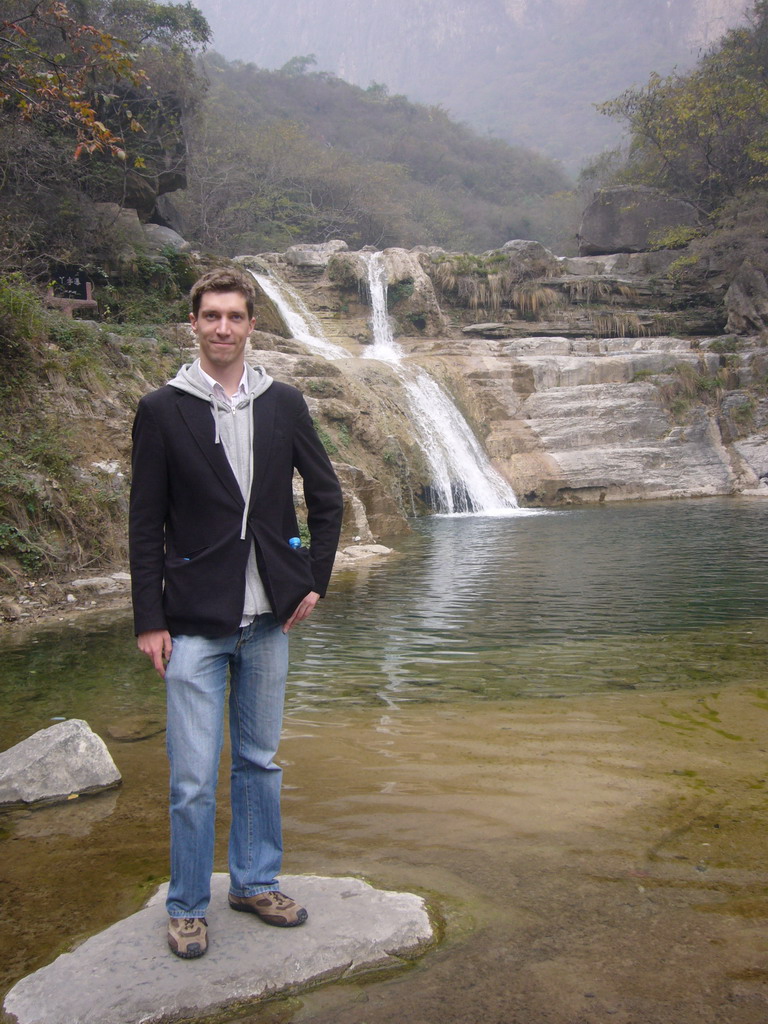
(92, 582)
(314, 255)
(56, 763)
(157, 237)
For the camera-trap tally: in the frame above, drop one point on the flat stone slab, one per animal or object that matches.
(127, 974)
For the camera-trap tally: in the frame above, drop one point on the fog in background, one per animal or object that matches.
(526, 71)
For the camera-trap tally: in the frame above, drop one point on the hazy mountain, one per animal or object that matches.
(528, 71)
(276, 156)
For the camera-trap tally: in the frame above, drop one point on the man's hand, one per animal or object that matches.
(303, 611)
(157, 645)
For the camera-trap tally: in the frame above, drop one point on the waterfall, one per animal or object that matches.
(303, 325)
(384, 345)
(463, 479)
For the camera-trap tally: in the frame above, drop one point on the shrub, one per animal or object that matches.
(22, 331)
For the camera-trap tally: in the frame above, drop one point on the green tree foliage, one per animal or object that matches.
(47, 62)
(277, 156)
(704, 135)
(92, 95)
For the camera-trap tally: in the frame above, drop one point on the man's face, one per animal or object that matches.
(222, 327)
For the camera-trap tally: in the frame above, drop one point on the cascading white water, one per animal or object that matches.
(384, 345)
(303, 325)
(463, 479)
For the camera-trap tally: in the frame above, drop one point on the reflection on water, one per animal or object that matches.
(648, 596)
(94, 672)
(652, 595)
(72, 818)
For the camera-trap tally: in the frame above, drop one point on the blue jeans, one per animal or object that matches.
(256, 658)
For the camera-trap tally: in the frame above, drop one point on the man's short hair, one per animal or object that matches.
(224, 279)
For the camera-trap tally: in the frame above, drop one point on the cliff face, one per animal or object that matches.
(527, 70)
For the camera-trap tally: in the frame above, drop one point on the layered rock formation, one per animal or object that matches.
(584, 379)
(565, 411)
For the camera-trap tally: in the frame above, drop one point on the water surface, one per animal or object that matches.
(654, 595)
(592, 858)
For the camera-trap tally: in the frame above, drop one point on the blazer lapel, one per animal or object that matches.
(199, 420)
(263, 430)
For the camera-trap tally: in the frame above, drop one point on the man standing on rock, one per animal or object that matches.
(219, 577)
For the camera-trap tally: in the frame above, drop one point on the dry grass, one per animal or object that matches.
(589, 290)
(619, 325)
(533, 299)
(492, 283)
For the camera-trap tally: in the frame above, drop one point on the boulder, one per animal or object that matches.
(141, 191)
(65, 760)
(158, 237)
(361, 552)
(316, 256)
(746, 301)
(533, 257)
(168, 214)
(122, 223)
(626, 219)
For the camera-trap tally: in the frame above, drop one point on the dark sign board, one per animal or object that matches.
(69, 283)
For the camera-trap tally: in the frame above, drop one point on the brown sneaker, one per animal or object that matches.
(272, 907)
(188, 936)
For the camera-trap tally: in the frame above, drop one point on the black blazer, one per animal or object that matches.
(187, 559)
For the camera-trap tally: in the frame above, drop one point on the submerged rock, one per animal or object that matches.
(135, 728)
(127, 974)
(65, 760)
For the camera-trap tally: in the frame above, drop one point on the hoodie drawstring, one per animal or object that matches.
(215, 404)
(247, 494)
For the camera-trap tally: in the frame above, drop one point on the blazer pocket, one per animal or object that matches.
(178, 561)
